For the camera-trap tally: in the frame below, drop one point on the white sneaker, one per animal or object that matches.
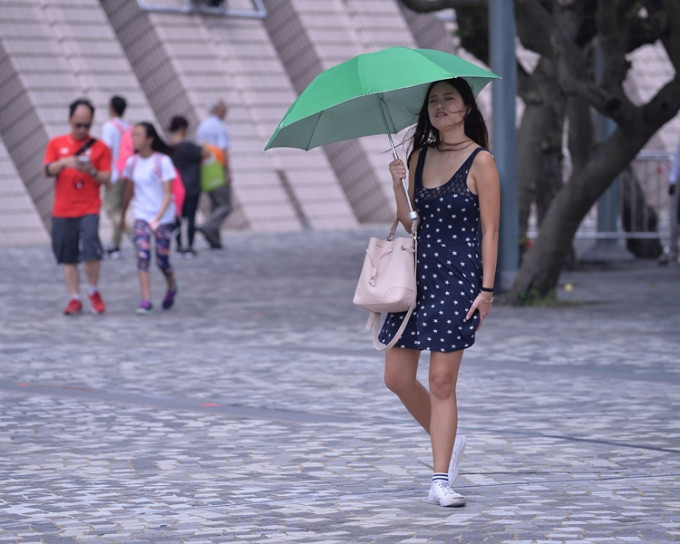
(114, 253)
(456, 456)
(443, 495)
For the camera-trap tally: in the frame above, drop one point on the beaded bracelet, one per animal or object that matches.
(486, 300)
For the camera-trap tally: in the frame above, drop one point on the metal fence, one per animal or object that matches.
(645, 212)
(645, 209)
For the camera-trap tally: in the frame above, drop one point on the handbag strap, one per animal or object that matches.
(374, 317)
(85, 146)
(374, 323)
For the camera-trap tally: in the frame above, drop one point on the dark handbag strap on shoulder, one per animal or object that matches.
(87, 145)
(374, 318)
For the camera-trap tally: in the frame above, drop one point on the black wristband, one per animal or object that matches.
(486, 289)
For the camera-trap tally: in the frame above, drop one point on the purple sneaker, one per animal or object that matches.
(144, 307)
(169, 298)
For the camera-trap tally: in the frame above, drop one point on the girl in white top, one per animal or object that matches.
(148, 175)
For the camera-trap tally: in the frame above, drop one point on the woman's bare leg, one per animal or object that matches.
(401, 367)
(443, 377)
(144, 284)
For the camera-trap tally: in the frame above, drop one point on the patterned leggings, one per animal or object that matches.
(163, 235)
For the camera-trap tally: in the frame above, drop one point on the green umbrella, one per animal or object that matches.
(372, 93)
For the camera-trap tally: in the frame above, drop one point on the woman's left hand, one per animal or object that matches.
(482, 303)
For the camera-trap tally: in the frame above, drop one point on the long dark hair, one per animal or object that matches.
(158, 144)
(475, 127)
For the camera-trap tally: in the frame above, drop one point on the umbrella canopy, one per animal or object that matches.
(372, 93)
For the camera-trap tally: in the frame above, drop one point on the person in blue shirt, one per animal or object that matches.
(213, 131)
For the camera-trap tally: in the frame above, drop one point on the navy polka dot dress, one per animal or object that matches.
(449, 270)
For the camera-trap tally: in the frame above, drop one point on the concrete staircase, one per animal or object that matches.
(50, 54)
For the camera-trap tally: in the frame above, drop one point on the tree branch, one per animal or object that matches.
(663, 106)
(614, 64)
(535, 27)
(671, 40)
(641, 25)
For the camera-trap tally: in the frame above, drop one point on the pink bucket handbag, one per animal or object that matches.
(387, 282)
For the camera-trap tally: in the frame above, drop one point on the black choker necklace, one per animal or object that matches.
(443, 146)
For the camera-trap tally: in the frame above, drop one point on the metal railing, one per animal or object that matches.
(208, 7)
(644, 209)
(644, 205)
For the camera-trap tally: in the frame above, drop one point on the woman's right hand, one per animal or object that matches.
(398, 171)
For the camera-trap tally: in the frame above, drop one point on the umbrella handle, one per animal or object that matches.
(412, 214)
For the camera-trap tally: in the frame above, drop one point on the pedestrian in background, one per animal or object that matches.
(80, 165)
(674, 210)
(148, 178)
(213, 131)
(112, 133)
(187, 157)
(454, 184)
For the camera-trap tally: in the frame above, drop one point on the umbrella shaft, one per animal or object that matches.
(412, 214)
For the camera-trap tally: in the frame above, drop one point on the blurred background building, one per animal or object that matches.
(169, 57)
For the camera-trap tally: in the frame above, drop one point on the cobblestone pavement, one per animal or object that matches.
(254, 411)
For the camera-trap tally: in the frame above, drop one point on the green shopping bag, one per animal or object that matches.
(212, 175)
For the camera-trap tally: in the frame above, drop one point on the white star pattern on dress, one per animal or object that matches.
(448, 254)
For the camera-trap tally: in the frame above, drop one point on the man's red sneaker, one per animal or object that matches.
(98, 306)
(74, 307)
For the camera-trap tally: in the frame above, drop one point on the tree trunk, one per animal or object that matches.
(540, 144)
(542, 265)
(638, 216)
(541, 268)
(528, 157)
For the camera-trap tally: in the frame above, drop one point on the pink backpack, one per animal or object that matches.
(127, 149)
(178, 190)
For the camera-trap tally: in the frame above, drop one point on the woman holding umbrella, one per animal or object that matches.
(454, 184)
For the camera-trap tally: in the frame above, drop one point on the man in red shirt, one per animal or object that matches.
(80, 164)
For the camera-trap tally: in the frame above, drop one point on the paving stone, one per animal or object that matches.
(254, 410)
